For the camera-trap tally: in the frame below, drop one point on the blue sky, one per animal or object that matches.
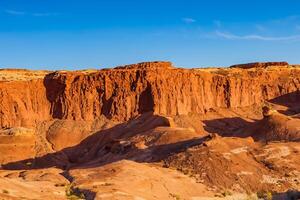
(76, 34)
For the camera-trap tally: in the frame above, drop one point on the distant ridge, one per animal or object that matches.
(259, 65)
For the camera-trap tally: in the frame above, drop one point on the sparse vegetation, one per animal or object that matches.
(5, 191)
(265, 195)
(226, 193)
(107, 184)
(60, 185)
(175, 196)
(222, 72)
(73, 193)
(21, 74)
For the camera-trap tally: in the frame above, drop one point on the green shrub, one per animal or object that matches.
(265, 195)
(73, 193)
(226, 193)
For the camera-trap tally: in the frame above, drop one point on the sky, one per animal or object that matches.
(78, 34)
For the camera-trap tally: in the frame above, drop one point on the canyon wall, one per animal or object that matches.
(124, 92)
(23, 103)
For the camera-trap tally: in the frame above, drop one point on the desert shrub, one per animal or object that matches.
(5, 191)
(265, 195)
(108, 184)
(226, 193)
(175, 196)
(73, 193)
(59, 185)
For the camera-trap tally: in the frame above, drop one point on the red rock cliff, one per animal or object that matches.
(124, 92)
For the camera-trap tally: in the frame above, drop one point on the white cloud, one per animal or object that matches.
(231, 36)
(188, 20)
(14, 12)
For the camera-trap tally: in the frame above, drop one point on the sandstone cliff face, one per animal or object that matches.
(124, 92)
(23, 103)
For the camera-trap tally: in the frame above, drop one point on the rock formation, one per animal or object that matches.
(125, 92)
(151, 131)
(260, 65)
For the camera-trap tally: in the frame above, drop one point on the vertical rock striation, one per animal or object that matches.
(125, 92)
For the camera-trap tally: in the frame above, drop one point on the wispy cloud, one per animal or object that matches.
(260, 27)
(217, 23)
(44, 14)
(38, 14)
(188, 20)
(288, 19)
(14, 12)
(231, 36)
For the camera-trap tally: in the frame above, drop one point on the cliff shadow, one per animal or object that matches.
(146, 100)
(227, 127)
(54, 90)
(238, 127)
(290, 100)
(288, 195)
(108, 146)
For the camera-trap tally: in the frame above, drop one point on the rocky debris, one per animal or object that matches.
(141, 181)
(240, 164)
(274, 126)
(280, 127)
(268, 111)
(17, 131)
(260, 65)
(119, 146)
